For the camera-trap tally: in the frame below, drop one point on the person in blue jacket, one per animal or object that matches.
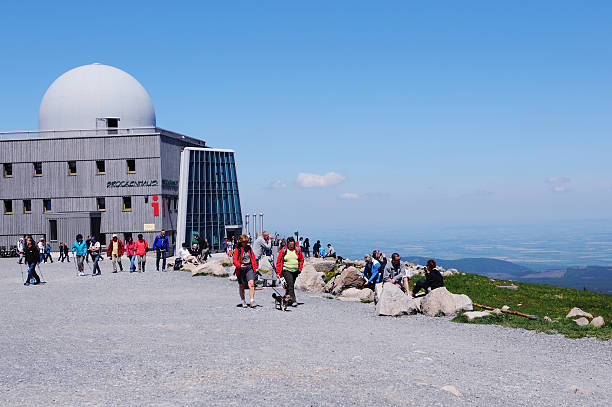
(79, 249)
(372, 273)
(161, 247)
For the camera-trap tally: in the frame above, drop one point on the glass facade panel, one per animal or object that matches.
(213, 201)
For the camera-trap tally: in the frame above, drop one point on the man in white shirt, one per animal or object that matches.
(41, 248)
(95, 254)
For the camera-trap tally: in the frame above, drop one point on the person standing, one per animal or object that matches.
(130, 252)
(88, 255)
(79, 249)
(60, 249)
(160, 244)
(306, 247)
(289, 265)
(316, 248)
(66, 252)
(230, 246)
(115, 250)
(94, 250)
(32, 259)
(41, 249)
(246, 267)
(141, 251)
(262, 246)
(20, 250)
(204, 248)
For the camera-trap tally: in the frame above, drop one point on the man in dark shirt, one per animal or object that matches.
(433, 279)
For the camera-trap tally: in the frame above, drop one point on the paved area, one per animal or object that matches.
(169, 339)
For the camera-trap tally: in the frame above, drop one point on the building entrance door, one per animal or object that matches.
(94, 227)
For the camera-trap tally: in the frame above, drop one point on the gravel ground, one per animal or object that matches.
(165, 339)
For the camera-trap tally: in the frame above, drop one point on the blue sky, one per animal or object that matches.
(424, 113)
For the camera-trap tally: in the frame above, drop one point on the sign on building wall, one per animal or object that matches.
(132, 184)
(149, 227)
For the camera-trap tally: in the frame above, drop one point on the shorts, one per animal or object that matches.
(246, 275)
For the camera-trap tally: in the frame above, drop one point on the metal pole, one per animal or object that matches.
(261, 228)
(254, 235)
(245, 230)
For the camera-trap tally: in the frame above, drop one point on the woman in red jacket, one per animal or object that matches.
(289, 265)
(246, 267)
(115, 251)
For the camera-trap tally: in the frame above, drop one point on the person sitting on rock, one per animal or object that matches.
(395, 273)
(330, 251)
(433, 279)
(381, 257)
(372, 272)
(289, 265)
(187, 256)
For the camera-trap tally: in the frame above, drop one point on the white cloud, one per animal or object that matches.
(349, 195)
(560, 188)
(557, 180)
(306, 180)
(277, 185)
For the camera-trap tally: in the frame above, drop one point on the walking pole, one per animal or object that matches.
(21, 267)
(41, 274)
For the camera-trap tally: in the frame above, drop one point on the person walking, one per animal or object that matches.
(115, 250)
(79, 249)
(289, 265)
(60, 249)
(20, 250)
(141, 251)
(246, 267)
(88, 255)
(160, 244)
(130, 252)
(94, 250)
(32, 259)
(48, 252)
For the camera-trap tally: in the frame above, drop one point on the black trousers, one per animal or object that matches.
(420, 285)
(160, 253)
(290, 278)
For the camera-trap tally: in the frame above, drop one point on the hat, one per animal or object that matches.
(114, 235)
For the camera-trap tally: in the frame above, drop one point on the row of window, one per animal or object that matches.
(72, 168)
(100, 204)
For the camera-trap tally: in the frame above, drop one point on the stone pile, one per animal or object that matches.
(583, 319)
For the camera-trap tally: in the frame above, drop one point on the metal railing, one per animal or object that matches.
(27, 134)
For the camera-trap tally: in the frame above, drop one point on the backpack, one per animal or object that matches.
(178, 264)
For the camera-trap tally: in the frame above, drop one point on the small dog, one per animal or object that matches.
(280, 302)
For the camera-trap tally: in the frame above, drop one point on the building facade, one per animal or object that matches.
(100, 166)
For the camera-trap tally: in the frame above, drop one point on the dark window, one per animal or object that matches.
(8, 206)
(8, 170)
(112, 123)
(127, 203)
(101, 204)
(46, 205)
(131, 166)
(100, 167)
(72, 168)
(175, 204)
(126, 235)
(52, 229)
(27, 206)
(37, 169)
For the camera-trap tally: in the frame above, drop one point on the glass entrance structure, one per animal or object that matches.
(209, 201)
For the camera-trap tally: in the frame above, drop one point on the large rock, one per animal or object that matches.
(392, 301)
(357, 294)
(310, 280)
(582, 321)
(350, 277)
(442, 302)
(265, 264)
(188, 267)
(210, 268)
(597, 322)
(577, 312)
(323, 266)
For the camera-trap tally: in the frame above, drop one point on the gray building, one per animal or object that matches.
(98, 165)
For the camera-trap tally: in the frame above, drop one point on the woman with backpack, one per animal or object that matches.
(289, 265)
(246, 268)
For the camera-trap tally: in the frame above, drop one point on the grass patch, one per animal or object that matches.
(226, 264)
(535, 299)
(331, 274)
(366, 300)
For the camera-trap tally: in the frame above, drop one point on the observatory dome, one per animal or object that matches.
(84, 97)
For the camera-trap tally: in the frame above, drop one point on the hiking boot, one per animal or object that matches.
(27, 283)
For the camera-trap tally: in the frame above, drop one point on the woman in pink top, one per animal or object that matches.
(130, 251)
(141, 251)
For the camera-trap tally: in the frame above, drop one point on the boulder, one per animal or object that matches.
(210, 268)
(188, 267)
(324, 266)
(392, 301)
(310, 280)
(265, 265)
(509, 286)
(356, 263)
(582, 321)
(547, 319)
(597, 322)
(350, 277)
(472, 315)
(577, 312)
(442, 302)
(365, 294)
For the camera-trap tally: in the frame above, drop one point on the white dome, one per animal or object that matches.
(90, 92)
